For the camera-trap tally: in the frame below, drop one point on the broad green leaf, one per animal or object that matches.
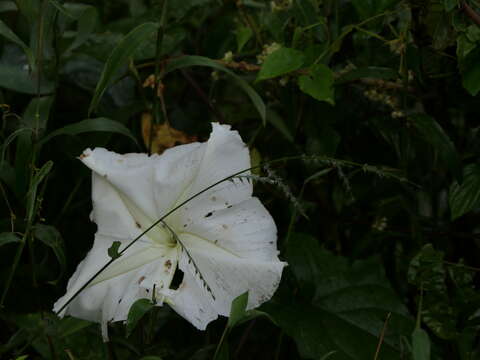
(11, 138)
(119, 58)
(61, 8)
(188, 61)
(243, 34)
(29, 9)
(281, 62)
(465, 197)
(37, 114)
(7, 5)
(434, 134)
(420, 345)
(7, 174)
(18, 78)
(450, 4)
(90, 125)
(349, 308)
(51, 237)
(318, 83)
(8, 238)
(69, 326)
(113, 250)
(238, 310)
(136, 313)
(87, 22)
(10, 35)
(469, 67)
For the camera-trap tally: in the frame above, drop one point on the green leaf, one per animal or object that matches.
(434, 134)
(8, 238)
(318, 83)
(420, 345)
(349, 307)
(427, 273)
(61, 9)
(90, 125)
(19, 78)
(7, 5)
(238, 309)
(243, 34)
(469, 66)
(113, 250)
(280, 62)
(119, 57)
(136, 313)
(466, 196)
(87, 22)
(10, 35)
(51, 237)
(40, 175)
(223, 352)
(188, 61)
(449, 5)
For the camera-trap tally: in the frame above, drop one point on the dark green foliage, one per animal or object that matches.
(378, 215)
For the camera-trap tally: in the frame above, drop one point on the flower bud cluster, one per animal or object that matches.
(280, 5)
(345, 70)
(386, 99)
(267, 50)
(380, 223)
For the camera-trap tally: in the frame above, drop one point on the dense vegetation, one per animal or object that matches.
(376, 103)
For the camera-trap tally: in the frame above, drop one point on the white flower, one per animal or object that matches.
(224, 240)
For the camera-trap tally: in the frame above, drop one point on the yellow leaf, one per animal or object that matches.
(163, 136)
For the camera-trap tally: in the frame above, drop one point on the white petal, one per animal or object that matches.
(228, 275)
(245, 229)
(225, 154)
(127, 174)
(129, 278)
(190, 300)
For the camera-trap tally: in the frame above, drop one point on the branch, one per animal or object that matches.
(472, 14)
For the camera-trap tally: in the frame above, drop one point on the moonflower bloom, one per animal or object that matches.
(224, 240)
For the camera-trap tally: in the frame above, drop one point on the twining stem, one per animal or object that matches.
(232, 176)
(382, 337)
(157, 80)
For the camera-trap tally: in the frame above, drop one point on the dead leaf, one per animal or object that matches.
(164, 136)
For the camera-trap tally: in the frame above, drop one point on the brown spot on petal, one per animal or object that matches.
(141, 279)
(214, 198)
(83, 156)
(137, 224)
(168, 264)
(225, 226)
